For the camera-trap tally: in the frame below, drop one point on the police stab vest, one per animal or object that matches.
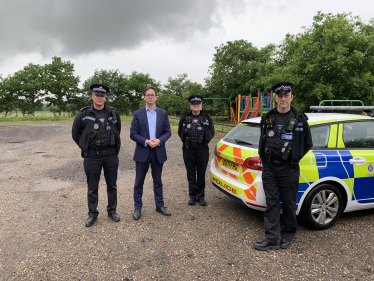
(102, 135)
(279, 136)
(194, 129)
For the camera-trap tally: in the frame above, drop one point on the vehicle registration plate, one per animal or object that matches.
(231, 165)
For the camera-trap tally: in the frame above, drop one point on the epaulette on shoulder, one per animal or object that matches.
(85, 108)
(111, 107)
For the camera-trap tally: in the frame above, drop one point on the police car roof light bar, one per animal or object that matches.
(335, 107)
(341, 101)
(366, 109)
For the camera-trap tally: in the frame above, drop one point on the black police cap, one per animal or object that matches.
(99, 89)
(195, 99)
(282, 87)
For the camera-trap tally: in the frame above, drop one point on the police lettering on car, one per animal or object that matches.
(196, 131)
(283, 142)
(96, 130)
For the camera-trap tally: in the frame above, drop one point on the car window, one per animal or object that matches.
(244, 134)
(320, 135)
(358, 134)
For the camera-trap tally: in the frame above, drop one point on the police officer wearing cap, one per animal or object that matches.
(285, 139)
(196, 130)
(96, 130)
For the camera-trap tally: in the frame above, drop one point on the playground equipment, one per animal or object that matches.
(250, 107)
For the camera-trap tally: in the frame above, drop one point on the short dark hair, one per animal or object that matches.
(150, 87)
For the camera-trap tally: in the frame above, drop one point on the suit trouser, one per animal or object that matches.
(93, 164)
(196, 159)
(280, 178)
(141, 172)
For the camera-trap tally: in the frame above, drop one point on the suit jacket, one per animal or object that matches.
(139, 133)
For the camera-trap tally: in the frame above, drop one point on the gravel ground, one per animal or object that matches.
(43, 237)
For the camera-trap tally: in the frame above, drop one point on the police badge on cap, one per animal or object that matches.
(282, 87)
(195, 99)
(99, 89)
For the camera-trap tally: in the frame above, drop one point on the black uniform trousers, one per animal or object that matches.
(280, 178)
(196, 159)
(93, 164)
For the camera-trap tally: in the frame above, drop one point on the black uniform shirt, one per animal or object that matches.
(101, 116)
(195, 119)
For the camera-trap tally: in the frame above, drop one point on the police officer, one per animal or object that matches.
(196, 130)
(285, 139)
(96, 130)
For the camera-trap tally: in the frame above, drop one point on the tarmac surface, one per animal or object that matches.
(43, 207)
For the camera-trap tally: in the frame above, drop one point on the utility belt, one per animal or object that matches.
(189, 143)
(100, 148)
(274, 157)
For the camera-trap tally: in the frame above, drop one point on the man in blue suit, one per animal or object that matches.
(150, 129)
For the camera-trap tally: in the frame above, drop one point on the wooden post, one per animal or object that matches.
(239, 101)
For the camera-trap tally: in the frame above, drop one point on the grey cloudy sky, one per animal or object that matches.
(160, 37)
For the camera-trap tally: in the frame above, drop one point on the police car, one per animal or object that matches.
(336, 175)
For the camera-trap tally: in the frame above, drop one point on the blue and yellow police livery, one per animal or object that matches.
(336, 175)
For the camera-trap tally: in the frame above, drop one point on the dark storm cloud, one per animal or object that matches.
(76, 27)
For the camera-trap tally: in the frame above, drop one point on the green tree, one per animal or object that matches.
(27, 86)
(174, 105)
(116, 81)
(176, 101)
(177, 86)
(60, 83)
(237, 67)
(137, 82)
(194, 89)
(8, 102)
(126, 91)
(75, 104)
(332, 59)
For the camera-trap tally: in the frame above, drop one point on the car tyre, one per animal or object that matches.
(322, 207)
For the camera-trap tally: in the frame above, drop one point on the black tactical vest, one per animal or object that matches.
(102, 135)
(194, 129)
(279, 135)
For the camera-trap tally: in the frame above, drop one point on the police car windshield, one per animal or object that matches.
(244, 134)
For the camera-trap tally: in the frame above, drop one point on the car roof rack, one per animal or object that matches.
(367, 110)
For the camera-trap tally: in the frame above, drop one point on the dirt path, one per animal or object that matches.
(42, 233)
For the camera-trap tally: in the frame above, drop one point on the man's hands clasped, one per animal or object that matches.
(153, 142)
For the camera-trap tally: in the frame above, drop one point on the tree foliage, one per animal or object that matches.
(126, 91)
(194, 88)
(177, 86)
(332, 59)
(7, 99)
(136, 84)
(116, 81)
(27, 88)
(174, 105)
(237, 67)
(60, 83)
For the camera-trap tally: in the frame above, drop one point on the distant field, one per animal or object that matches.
(40, 116)
(44, 116)
(47, 116)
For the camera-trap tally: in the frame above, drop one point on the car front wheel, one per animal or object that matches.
(322, 207)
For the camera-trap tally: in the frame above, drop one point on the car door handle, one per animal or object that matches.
(357, 161)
